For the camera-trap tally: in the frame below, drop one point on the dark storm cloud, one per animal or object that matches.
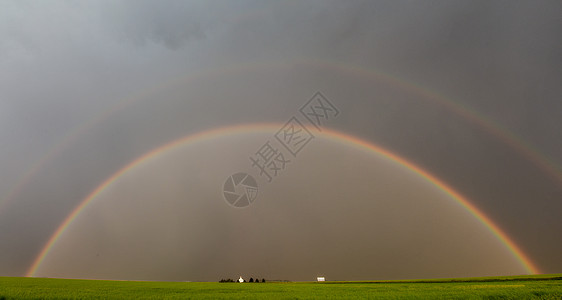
(172, 24)
(63, 63)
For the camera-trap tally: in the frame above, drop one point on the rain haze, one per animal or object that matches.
(431, 145)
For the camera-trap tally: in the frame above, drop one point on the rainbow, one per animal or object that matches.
(332, 135)
(72, 135)
(526, 150)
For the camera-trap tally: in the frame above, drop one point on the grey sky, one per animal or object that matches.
(191, 66)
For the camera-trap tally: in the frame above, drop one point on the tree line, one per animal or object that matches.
(251, 280)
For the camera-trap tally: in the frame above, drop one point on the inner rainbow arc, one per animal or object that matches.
(333, 135)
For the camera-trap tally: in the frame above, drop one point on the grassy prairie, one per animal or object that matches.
(516, 287)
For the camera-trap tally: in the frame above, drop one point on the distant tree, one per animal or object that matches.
(263, 280)
(257, 280)
(251, 279)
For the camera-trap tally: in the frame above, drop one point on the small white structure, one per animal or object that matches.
(240, 279)
(320, 278)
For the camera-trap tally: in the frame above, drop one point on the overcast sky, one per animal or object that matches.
(467, 90)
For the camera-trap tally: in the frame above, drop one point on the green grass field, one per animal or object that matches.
(515, 287)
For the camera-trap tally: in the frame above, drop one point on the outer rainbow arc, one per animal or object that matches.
(506, 136)
(123, 103)
(337, 136)
(528, 151)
